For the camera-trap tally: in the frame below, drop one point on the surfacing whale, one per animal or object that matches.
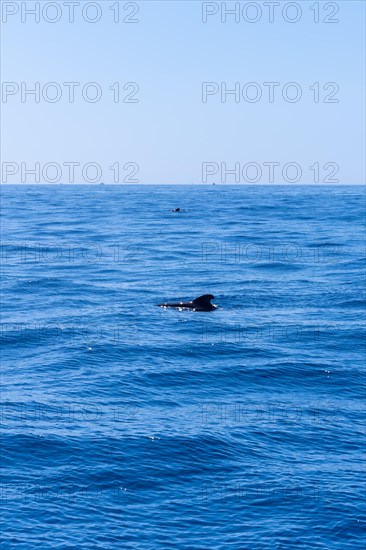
(202, 303)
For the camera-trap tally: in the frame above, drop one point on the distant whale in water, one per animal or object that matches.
(202, 303)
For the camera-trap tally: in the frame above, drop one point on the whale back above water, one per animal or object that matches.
(202, 303)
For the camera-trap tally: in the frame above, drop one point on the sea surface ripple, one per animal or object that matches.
(125, 425)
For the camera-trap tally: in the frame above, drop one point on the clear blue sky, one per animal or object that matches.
(170, 132)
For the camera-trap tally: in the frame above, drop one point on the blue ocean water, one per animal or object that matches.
(125, 425)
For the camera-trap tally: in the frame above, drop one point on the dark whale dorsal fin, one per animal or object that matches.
(204, 301)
